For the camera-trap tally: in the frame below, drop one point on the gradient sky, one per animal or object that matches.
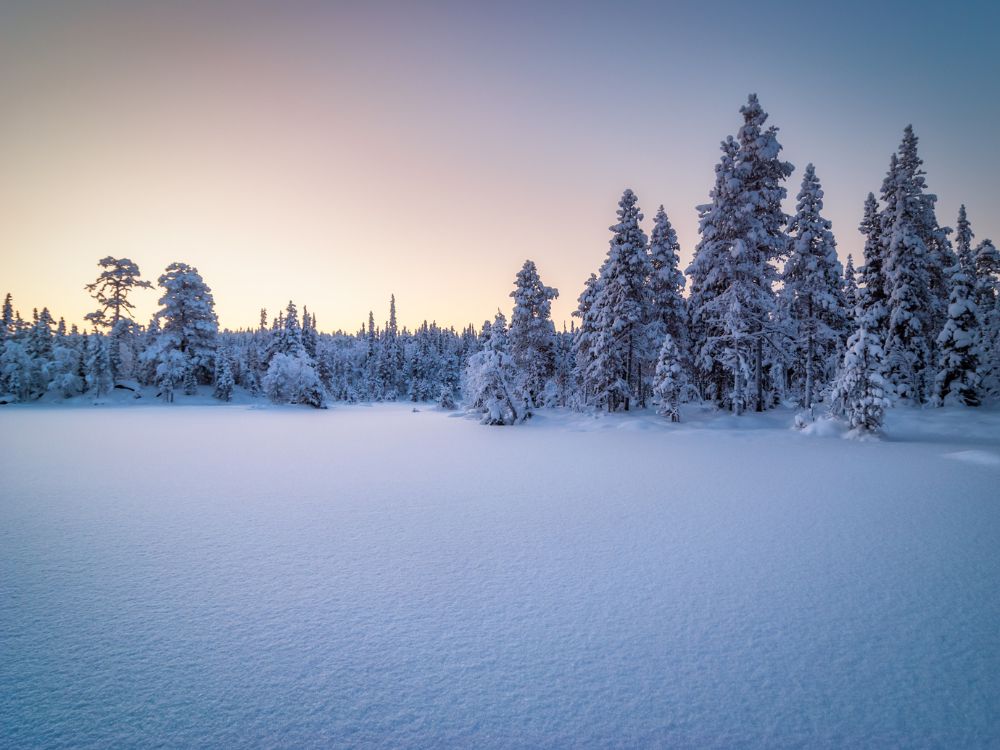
(333, 153)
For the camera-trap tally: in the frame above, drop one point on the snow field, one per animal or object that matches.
(378, 577)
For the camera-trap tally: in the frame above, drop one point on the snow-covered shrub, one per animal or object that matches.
(292, 379)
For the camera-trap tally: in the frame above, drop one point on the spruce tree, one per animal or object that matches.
(532, 335)
(489, 380)
(813, 292)
(224, 381)
(620, 313)
(851, 295)
(958, 379)
(666, 283)
(98, 366)
(670, 381)
(872, 300)
(861, 392)
(188, 325)
(733, 271)
(916, 255)
(583, 341)
(987, 295)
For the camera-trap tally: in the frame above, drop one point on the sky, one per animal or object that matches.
(337, 153)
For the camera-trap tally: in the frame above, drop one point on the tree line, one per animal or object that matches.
(770, 317)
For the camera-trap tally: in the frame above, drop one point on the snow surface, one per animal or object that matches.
(230, 576)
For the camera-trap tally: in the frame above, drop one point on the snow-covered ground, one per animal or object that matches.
(232, 576)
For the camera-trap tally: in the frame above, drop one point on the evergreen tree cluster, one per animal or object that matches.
(770, 317)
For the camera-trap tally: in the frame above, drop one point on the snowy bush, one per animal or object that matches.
(292, 379)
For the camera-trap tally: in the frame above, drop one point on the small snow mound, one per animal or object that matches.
(863, 436)
(823, 427)
(980, 458)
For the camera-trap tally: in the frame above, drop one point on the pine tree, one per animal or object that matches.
(987, 295)
(851, 294)
(288, 339)
(861, 392)
(291, 376)
(15, 370)
(670, 381)
(742, 234)
(66, 373)
(390, 357)
(489, 380)
(910, 302)
(621, 313)
(958, 379)
(812, 290)
(963, 244)
(532, 335)
(310, 338)
(39, 344)
(666, 283)
(584, 339)
(224, 381)
(7, 318)
(188, 326)
(872, 302)
(98, 366)
(111, 290)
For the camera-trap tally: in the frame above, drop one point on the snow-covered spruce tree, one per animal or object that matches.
(532, 335)
(310, 338)
(293, 380)
(709, 274)
(67, 366)
(111, 290)
(911, 306)
(861, 392)
(851, 295)
(561, 388)
(583, 342)
(812, 292)
(446, 398)
(188, 326)
(147, 346)
(733, 307)
(424, 366)
(291, 377)
(987, 293)
(958, 379)
(38, 344)
(489, 380)
(15, 370)
(620, 313)
(7, 318)
(666, 283)
(172, 369)
(390, 358)
(872, 302)
(224, 381)
(964, 252)
(670, 380)
(97, 365)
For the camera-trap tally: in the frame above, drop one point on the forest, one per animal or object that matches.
(764, 315)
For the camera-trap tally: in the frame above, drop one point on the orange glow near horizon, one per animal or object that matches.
(337, 155)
